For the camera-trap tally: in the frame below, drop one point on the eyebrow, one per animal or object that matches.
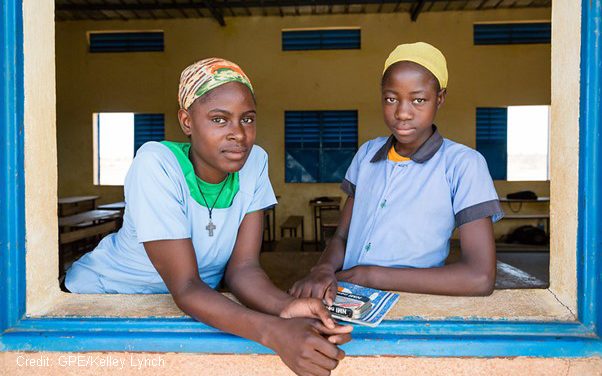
(226, 112)
(412, 92)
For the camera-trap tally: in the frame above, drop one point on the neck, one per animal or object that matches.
(406, 150)
(205, 172)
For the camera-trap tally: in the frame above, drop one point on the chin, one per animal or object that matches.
(234, 166)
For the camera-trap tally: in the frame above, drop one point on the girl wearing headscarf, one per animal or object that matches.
(194, 214)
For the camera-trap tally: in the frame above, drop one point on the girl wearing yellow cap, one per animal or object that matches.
(406, 195)
(194, 215)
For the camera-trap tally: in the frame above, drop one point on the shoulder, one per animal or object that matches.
(370, 147)
(457, 154)
(154, 151)
(463, 162)
(154, 159)
(256, 161)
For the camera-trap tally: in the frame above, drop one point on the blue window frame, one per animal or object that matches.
(148, 127)
(512, 33)
(321, 39)
(492, 139)
(404, 337)
(319, 145)
(137, 41)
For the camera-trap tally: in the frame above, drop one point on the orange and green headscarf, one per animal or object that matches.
(205, 75)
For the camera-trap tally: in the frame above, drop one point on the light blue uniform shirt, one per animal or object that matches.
(159, 207)
(404, 213)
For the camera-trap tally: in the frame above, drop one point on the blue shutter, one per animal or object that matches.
(126, 42)
(328, 39)
(148, 127)
(319, 145)
(512, 33)
(492, 139)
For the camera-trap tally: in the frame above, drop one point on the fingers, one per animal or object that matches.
(329, 350)
(295, 290)
(318, 290)
(317, 308)
(338, 329)
(339, 339)
(331, 293)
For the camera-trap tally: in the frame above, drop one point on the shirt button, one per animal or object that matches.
(368, 246)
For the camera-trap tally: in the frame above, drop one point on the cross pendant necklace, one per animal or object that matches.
(210, 226)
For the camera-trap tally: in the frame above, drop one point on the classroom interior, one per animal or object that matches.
(315, 68)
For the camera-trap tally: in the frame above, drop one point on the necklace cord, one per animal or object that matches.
(217, 198)
(210, 209)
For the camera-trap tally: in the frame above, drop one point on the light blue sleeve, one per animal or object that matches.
(263, 194)
(155, 199)
(473, 193)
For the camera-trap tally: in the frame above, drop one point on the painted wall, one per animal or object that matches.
(52, 364)
(147, 82)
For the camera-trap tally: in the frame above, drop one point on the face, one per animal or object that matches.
(221, 127)
(410, 100)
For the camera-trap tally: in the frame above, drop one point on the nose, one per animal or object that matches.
(237, 132)
(404, 111)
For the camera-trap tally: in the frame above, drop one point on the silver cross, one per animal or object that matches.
(210, 227)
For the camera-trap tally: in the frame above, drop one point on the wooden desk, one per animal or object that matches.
(113, 206)
(333, 203)
(329, 222)
(90, 225)
(88, 217)
(269, 215)
(515, 213)
(76, 204)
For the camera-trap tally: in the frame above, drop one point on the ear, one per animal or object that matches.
(185, 120)
(441, 97)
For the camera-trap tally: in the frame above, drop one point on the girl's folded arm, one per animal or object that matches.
(473, 275)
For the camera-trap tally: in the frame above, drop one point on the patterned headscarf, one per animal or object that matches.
(205, 75)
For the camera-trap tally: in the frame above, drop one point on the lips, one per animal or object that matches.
(235, 153)
(405, 131)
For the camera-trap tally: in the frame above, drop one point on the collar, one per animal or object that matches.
(423, 154)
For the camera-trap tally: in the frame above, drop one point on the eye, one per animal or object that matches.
(218, 120)
(247, 120)
(419, 100)
(390, 100)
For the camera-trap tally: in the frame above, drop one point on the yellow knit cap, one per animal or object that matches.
(423, 54)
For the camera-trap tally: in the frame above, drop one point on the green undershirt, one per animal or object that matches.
(181, 150)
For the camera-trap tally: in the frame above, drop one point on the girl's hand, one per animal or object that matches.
(314, 308)
(299, 342)
(320, 283)
(359, 275)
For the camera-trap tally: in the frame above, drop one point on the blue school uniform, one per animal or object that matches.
(404, 213)
(159, 206)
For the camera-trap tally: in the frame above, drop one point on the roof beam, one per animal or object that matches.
(416, 9)
(215, 12)
(215, 6)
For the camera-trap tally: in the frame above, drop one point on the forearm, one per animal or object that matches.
(212, 308)
(334, 254)
(455, 279)
(254, 288)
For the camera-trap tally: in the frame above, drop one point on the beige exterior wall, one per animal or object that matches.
(78, 99)
(40, 152)
(310, 80)
(55, 364)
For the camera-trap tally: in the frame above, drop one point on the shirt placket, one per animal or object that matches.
(393, 173)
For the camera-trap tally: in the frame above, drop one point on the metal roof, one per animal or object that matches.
(218, 9)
